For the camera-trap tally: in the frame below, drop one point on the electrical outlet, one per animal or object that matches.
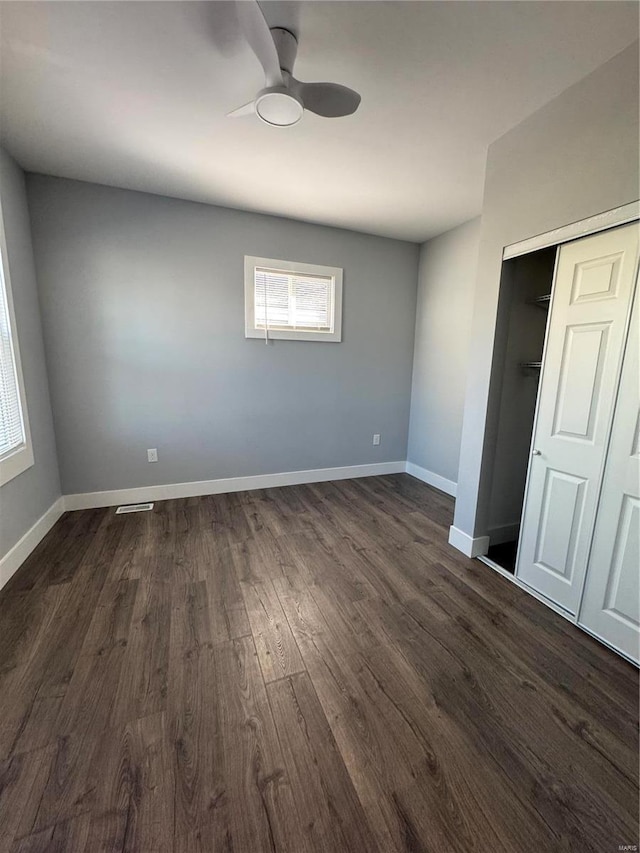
(376, 438)
(152, 455)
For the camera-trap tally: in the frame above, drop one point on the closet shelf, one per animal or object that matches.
(541, 301)
(531, 365)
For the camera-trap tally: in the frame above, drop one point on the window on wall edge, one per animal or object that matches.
(16, 453)
(287, 300)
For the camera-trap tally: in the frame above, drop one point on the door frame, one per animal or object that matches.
(583, 228)
(573, 231)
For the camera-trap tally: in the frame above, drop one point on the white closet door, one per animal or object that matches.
(611, 602)
(585, 340)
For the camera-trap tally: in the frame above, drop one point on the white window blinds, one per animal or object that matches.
(12, 434)
(286, 300)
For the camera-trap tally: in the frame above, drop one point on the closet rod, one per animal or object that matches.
(532, 365)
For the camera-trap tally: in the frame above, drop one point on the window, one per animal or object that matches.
(16, 454)
(292, 301)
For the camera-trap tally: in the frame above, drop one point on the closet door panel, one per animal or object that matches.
(585, 341)
(559, 529)
(611, 603)
(583, 362)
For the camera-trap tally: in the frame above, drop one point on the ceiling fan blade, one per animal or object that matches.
(328, 99)
(258, 35)
(245, 110)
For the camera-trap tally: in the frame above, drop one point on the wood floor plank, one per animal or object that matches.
(67, 790)
(19, 686)
(619, 743)
(24, 619)
(205, 839)
(277, 650)
(596, 785)
(68, 631)
(112, 616)
(89, 698)
(300, 608)
(190, 621)
(216, 568)
(497, 718)
(136, 536)
(261, 513)
(256, 796)
(134, 800)
(194, 737)
(379, 757)
(452, 750)
(327, 803)
(194, 731)
(48, 563)
(237, 528)
(22, 780)
(64, 837)
(311, 668)
(38, 727)
(227, 611)
(470, 800)
(142, 683)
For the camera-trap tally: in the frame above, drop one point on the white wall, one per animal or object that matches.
(28, 496)
(446, 281)
(574, 158)
(143, 314)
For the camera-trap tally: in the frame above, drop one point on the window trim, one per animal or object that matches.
(21, 458)
(250, 330)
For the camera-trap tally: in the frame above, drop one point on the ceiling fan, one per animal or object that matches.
(283, 100)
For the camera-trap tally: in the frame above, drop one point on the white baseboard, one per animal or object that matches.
(467, 544)
(14, 558)
(90, 500)
(435, 480)
(504, 533)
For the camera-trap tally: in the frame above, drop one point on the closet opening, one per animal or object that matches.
(525, 291)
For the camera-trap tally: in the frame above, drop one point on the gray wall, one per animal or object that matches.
(29, 495)
(446, 283)
(574, 158)
(143, 312)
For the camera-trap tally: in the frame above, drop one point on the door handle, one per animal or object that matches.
(536, 453)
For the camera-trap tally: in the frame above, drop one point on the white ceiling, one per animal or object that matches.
(134, 94)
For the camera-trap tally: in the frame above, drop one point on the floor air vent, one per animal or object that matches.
(134, 508)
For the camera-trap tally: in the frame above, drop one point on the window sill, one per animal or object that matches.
(282, 335)
(16, 463)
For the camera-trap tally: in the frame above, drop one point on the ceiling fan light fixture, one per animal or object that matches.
(278, 107)
(283, 101)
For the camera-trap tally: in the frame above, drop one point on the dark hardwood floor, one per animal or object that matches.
(308, 668)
